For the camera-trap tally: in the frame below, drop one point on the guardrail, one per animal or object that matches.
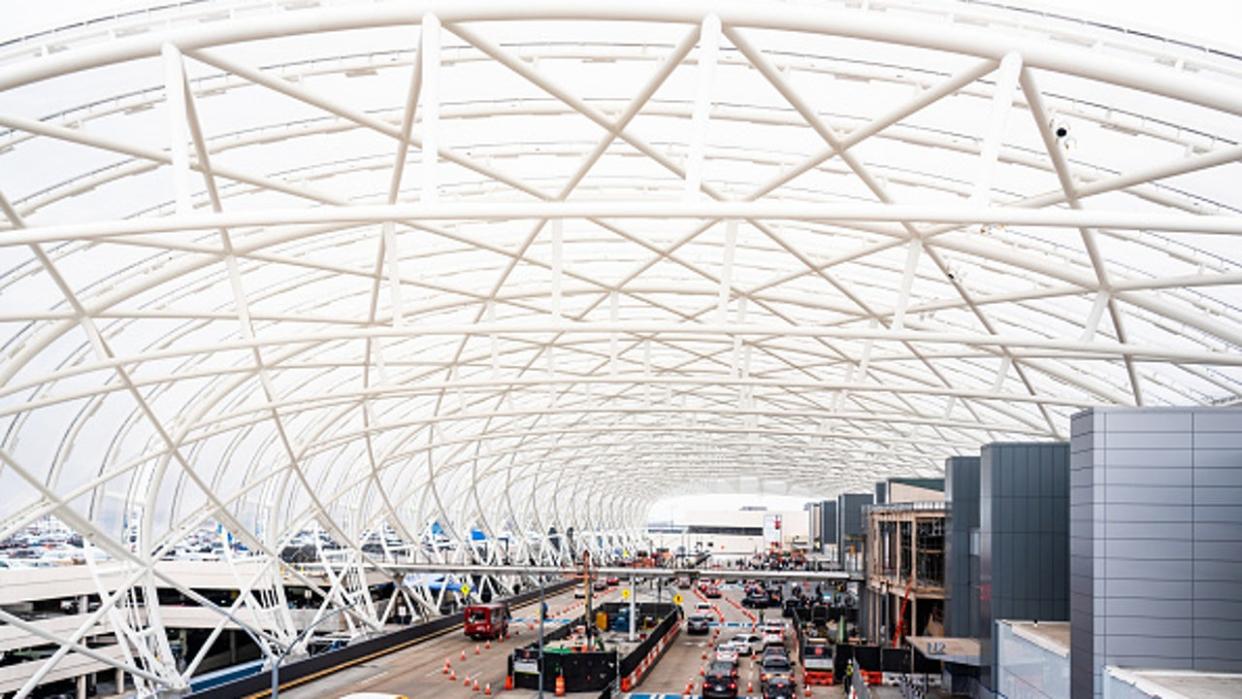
(302, 671)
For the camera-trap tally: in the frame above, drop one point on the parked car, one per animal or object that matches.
(698, 625)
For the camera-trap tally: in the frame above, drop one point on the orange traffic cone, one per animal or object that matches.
(465, 682)
(476, 649)
(750, 686)
(487, 689)
(452, 675)
(560, 685)
(508, 681)
(487, 645)
(463, 653)
(475, 687)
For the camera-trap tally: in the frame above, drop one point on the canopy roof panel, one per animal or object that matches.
(519, 267)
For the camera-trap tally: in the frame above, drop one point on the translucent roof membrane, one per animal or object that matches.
(529, 266)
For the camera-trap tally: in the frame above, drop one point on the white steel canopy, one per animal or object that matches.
(513, 267)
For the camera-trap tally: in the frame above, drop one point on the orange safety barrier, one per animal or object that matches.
(820, 678)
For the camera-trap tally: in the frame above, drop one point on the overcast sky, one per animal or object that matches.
(1213, 21)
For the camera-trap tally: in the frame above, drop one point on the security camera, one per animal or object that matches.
(1059, 127)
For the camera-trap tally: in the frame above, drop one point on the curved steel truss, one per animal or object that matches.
(451, 281)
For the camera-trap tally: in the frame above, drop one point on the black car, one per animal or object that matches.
(788, 609)
(779, 687)
(722, 666)
(698, 625)
(775, 664)
(755, 598)
(719, 685)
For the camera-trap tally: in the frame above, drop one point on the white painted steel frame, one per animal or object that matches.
(443, 405)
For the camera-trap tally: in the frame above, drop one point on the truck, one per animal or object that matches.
(487, 620)
(813, 631)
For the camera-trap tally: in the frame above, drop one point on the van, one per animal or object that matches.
(486, 620)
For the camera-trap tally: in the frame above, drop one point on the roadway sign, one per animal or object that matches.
(625, 593)
(465, 589)
(677, 598)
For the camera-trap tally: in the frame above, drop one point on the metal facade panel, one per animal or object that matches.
(961, 577)
(1156, 517)
(1023, 536)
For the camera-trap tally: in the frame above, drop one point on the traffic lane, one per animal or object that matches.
(417, 671)
(685, 657)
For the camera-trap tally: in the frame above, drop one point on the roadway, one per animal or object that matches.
(417, 671)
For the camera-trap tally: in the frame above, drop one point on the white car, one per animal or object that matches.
(776, 627)
(746, 643)
(726, 654)
(773, 639)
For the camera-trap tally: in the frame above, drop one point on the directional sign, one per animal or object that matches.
(465, 589)
(678, 599)
(625, 593)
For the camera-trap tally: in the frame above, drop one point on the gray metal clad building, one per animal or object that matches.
(961, 495)
(1023, 538)
(1156, 526)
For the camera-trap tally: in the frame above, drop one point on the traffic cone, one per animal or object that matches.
(452, 675)
(750, 686)
(487, 689)
(560, 685)
(487, 645)
(508, 681)
(475, 687)
(465, 682)
(463, 653)
(476, 649)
